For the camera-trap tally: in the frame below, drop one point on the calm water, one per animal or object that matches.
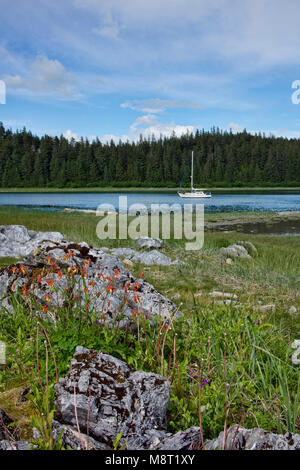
(220, 202)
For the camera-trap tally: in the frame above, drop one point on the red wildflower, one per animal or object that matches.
(110, 289)
(44, 308)
(50, 282)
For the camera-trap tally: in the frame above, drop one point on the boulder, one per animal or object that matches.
(113, 291)
(152, 257)
(117, 399)
(292, 309)
(252, 250)
(15, 445)
(223, 295)
(235, 251)
(266, 308)
(149, 243)
(72, 439)
(239, 438)
(16, 241)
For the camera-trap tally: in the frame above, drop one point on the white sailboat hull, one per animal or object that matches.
(194, 195)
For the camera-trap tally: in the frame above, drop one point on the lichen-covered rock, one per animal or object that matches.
(190, 439)
(112, 398)
(15, 445)
(113, 292)
(235, 251)
(71, 439)
(149, 243)
(252, 250)
(16, 241)
(152, 257)
(239, 438)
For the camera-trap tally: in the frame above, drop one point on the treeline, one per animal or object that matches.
(220, 159)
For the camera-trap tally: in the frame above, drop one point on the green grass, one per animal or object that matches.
(241, 347)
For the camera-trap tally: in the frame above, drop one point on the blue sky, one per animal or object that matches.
(118, 69)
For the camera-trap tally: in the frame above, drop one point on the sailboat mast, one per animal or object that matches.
(192, 172)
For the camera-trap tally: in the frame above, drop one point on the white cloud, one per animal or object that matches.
(69, 135)
(259, 33)
(157, 105)
(235, 128)
(148, 126)
(45, 76)
(108, 30)
(289, 134)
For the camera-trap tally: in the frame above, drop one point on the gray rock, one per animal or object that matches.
(119, 399)
(239, 438)
(235, 251)
(15, 445)
(123, 252)
(70, 438)
(122, 399)
(292, 309)
(14, 233)
(149, 243)
(252, 250)
(189, 439)
(141, 296)
(154, 257)
(223, 295)
(16, 241)
(266, 308)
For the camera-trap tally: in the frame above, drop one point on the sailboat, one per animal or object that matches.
(194, 192)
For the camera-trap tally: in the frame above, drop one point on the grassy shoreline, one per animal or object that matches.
(139, 190)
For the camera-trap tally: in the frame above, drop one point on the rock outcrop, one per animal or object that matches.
(16, 241)
(239, 438)
(152, 257)
(15, 445)
(235, 251)
(57, 269)
(149, 243)
(112, 398)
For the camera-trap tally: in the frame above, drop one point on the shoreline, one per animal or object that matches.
(142, 190)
